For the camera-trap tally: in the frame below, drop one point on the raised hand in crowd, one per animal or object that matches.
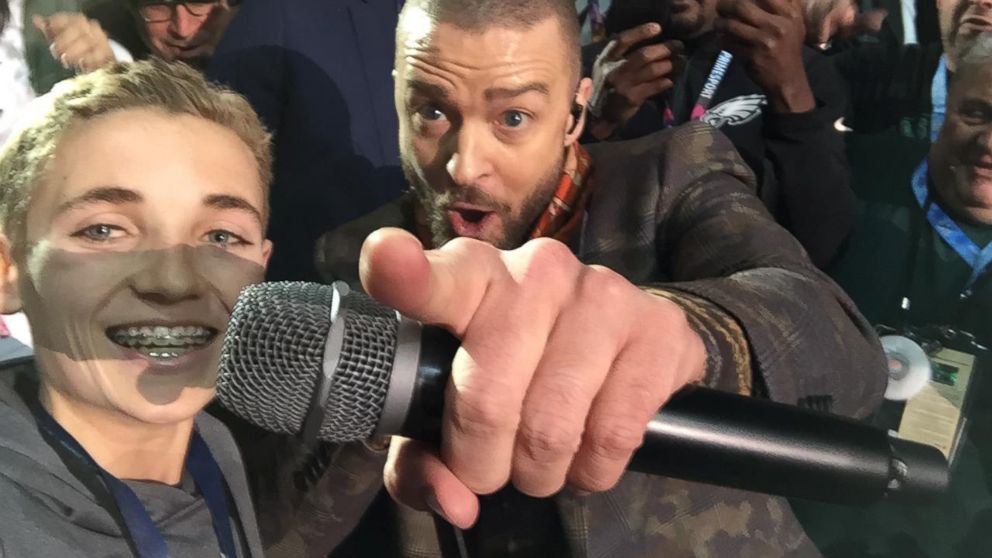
(767, 36)
(76, 41)
(549, 386)
(827, 20)
(634, 67)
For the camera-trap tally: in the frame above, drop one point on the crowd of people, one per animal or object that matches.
(605, 201)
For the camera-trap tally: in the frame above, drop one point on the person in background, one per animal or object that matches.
(903, 247)
(173, 30)
(892, 85)
(319, 75)
(748, 74)
(592, 19)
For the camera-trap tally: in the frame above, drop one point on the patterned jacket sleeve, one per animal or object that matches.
(805, 339)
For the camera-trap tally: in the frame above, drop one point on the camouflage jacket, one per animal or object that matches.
(675, 213)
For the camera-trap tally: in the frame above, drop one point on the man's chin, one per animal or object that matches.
(685, 25)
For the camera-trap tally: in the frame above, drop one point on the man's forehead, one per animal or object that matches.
(522, 54)
(973, 82)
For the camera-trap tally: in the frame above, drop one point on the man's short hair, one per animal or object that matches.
(173, 88)
(481, 15)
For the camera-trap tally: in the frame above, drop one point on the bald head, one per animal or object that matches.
(481, 15)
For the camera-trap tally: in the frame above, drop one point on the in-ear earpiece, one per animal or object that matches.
(576, 115)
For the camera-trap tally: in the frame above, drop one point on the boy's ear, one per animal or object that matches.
(266, 252)
(10, 296)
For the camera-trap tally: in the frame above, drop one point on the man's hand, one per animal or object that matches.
(632, 75)
(561, 367)
(767, 36)
(75, 41)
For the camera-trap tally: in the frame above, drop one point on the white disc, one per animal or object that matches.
(909, 367)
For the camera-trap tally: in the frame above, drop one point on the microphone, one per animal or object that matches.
(328, 364)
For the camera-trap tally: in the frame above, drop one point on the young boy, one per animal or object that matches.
(132, 211)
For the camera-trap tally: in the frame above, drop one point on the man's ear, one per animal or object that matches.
(10, 294)
(577, 120)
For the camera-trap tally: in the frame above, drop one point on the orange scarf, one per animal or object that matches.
(568, 206)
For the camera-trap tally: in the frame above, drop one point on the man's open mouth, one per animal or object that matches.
(162, 342)
(474, 216)
(469, 221)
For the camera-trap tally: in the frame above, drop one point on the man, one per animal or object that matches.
(748, 74)
(897, 252)
(127, 265)
(904, 86)
(490, 107)
(173, 30)
(318, 73)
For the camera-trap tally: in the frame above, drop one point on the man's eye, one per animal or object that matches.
(224, 238)
(974, 116)
(514, 119)
(100, 232)
(431, 113)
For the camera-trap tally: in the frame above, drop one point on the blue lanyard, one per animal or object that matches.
(145, 536)
(979, 259)
(938, 99)
(713, 81)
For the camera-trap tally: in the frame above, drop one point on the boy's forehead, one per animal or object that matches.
(162, 157)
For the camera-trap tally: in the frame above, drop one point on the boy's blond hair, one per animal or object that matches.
(170, 87)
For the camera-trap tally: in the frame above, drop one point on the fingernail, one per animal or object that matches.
(435, 506)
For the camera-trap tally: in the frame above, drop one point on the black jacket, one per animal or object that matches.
(799, 159)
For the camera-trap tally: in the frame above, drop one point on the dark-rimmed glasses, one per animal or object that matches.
(159, 12)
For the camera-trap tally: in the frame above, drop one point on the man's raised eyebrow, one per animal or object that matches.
(510, 92)
(114, 195)
(226, 201)
(428, 89)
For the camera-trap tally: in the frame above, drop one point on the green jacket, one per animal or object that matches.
(43, 70)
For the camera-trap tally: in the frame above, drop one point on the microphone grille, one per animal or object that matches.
(273, 353)
(276, 351)
(360, 383)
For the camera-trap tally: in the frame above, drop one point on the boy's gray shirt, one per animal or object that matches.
(48, 511)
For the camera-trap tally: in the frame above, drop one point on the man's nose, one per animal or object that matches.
(183, 23)
(169, 275)
(470, 160)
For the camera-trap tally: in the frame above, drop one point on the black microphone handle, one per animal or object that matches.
(735, 441)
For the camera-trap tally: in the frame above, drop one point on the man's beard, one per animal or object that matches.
(516, 228)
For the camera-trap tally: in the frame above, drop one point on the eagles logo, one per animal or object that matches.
(736, 111)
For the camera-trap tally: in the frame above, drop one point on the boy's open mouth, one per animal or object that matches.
(162, 342)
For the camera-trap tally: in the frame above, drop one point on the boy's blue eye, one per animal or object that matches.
(99, 232)
(224, 238)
